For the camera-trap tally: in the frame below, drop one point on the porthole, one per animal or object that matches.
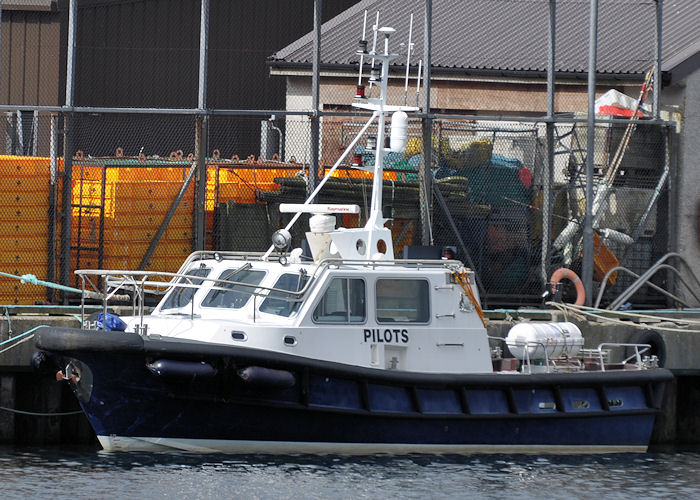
(581, 405)
(240, 336)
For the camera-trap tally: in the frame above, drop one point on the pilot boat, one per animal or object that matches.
(347, 350)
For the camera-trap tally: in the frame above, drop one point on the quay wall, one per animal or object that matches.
(35, 409)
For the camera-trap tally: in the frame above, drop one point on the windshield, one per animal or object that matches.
(181, 296)
(234, 295)
(284, 304)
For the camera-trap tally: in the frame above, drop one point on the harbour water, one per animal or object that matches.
(87, 473)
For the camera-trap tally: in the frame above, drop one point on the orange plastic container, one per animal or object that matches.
(603, 260)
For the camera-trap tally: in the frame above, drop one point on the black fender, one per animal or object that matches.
(654, 339)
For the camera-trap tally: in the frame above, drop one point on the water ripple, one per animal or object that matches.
(79, 473)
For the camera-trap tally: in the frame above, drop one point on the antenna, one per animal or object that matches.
(408, 61)
(420, 66)
(363, 51)
(375, 27)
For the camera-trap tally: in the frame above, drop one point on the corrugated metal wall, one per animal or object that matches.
(32, 55)
(146, 53)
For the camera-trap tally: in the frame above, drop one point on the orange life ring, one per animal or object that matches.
(562, 273)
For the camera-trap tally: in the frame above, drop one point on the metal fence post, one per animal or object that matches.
(68, 150)
(548, 178)
(200, 149)
(53, 208)
(425, 176)
(201, 126)
(587, 269)
(316, 99)
(657, 69)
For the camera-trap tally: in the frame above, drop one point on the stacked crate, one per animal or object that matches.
(241, 183)
(140, 207)
(136, 204)
(24, 223)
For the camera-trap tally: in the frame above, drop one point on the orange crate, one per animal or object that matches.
(167, 264)
(147, 234)
(24, 199)
(38, 270)
(22, 258)
(18, 243)
(603, 261)
(23, 298)
(21, 213)
(135, 175)
(159, 190)
(25, 185)
(165, 248)
(10, 286)
(148, 206)
(23, 166)
(30, 228)
(150, 221)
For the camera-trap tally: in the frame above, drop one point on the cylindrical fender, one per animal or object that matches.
(562, 273)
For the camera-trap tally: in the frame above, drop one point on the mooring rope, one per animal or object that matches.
(30, 278)
(16, 343)
(17, 337)
(590, 312)
(41, 414)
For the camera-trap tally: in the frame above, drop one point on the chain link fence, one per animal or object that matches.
(135, 190)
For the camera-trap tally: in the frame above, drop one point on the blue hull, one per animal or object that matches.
(336, 405)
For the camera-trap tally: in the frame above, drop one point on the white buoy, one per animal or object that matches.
(399, 131)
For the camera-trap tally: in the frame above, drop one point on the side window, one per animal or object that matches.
(343, 302)
(403, 301)
(181, 296)
(234, 295)
(281, 303)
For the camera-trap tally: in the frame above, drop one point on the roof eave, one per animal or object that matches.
(288, 68)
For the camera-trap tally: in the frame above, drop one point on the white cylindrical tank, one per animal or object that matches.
(399, 131)
(534, 339)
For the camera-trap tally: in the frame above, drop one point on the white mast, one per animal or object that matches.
(376, 220)
(362, 243)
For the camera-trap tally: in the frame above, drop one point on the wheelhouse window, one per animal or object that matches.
(234, 295)
(343, 302)
(182, 295)
(284, 304)
(402, 301)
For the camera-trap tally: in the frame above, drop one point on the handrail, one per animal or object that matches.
(639, 349)
(319, 267)
(637, 352)
(140, 282)
(635, 275)
(646, 276)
